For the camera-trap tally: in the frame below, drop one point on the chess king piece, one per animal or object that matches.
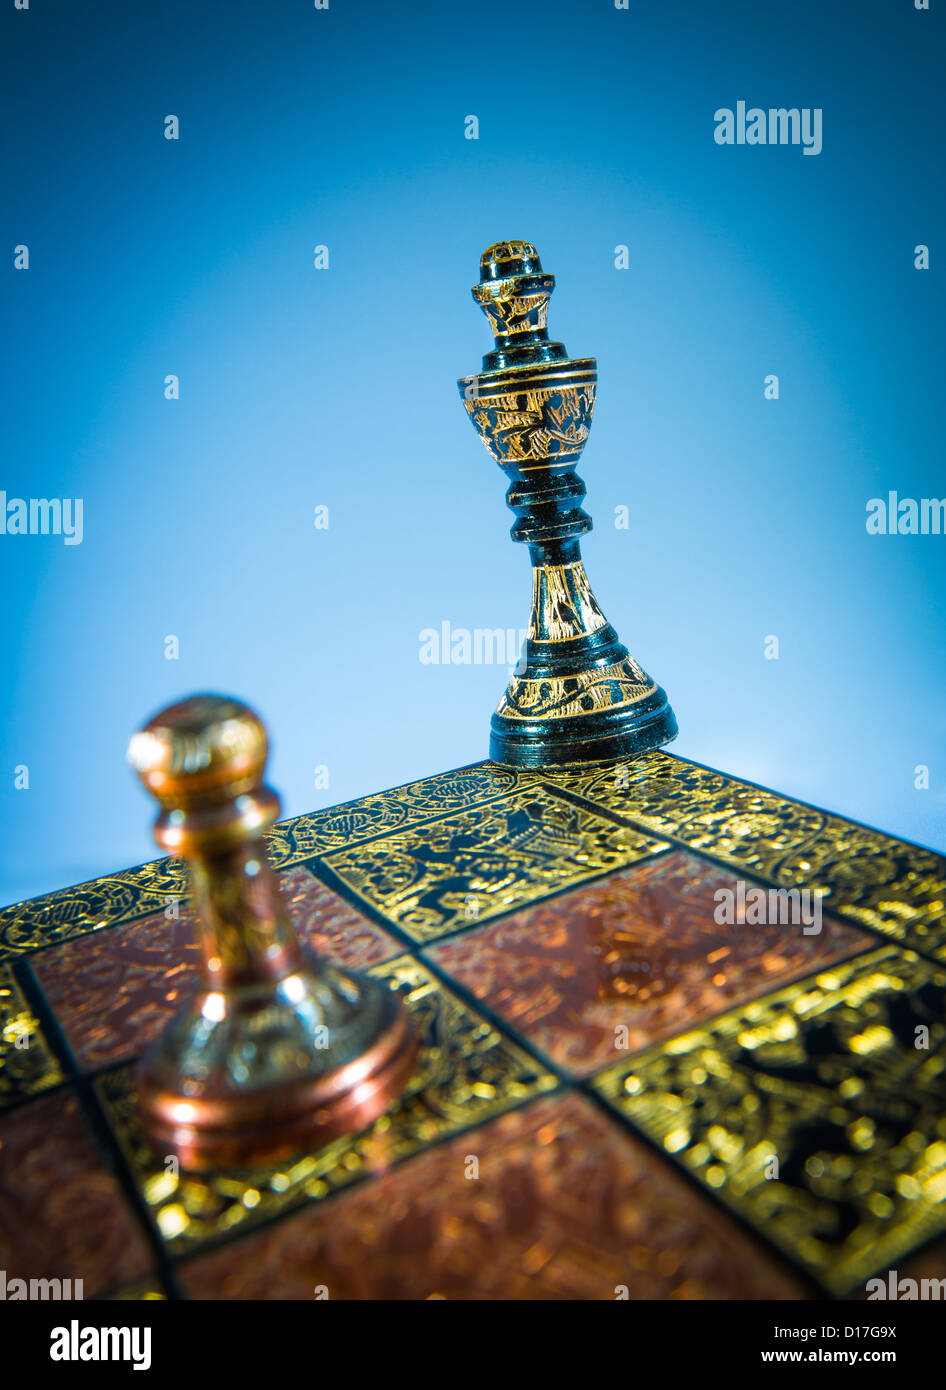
(578, 695)
(279, 1050)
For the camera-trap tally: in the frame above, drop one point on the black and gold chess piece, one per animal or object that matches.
(577, 695)
(278, 1050)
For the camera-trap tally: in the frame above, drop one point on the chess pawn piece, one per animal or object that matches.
(279, 1050)
(576, 694)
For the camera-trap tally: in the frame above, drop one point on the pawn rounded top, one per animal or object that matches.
(505, 259)
(204, 748)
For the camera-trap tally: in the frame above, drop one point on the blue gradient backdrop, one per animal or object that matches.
(302, 387)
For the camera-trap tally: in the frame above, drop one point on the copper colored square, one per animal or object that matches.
(113, 991)
(62, 1212)
(553, 1201)
(630, 960)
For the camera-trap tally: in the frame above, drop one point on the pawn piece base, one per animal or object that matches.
(217, 1127)
(545, 743)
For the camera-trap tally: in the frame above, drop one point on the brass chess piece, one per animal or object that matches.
(577, 695)
(278, 1050)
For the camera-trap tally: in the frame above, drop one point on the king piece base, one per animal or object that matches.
(537, 743)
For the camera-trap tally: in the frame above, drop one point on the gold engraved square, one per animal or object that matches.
(463, 869)
(815, 1113)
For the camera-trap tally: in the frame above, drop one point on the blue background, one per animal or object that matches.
(302, 387)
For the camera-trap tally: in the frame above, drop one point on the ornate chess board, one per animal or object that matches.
(616, 1094)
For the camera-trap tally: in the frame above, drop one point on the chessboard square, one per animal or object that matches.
(332, 926)
(867, 877)
(114, 991)
(449, 874)
(28, 1064)
(466, 1072)
(111, 992)
(63, 1215)
(550, 1201)
(816, 1113)
(630, 959)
